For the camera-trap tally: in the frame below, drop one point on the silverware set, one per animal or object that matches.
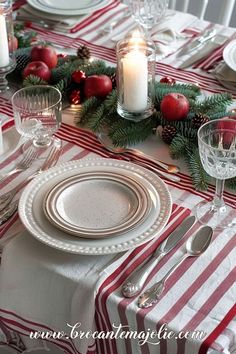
(7, 209)
(195, 246)
(170, 169)
(23, 164)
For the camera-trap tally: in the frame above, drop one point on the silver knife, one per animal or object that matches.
(198, 42)
(204, 51)
(134, 284)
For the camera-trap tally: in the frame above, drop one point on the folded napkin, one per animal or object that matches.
(225, 75)
(57, 22)
(168, 28)
(196, 56)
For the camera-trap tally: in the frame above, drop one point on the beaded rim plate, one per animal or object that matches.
(93, 205)
(33, 217)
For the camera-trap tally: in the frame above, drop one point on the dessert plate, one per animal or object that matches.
(33, 217)
(229, 55)
(92, 205)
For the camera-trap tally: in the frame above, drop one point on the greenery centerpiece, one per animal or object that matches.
(91, 85)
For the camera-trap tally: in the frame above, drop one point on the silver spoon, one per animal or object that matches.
(195, 246)
(107, 143)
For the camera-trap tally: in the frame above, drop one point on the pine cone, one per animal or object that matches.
(168, 133)
(22, 58)
(199, 119)
(83, 52)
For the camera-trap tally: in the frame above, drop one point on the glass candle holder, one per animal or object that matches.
(7, 57)
(135, 76)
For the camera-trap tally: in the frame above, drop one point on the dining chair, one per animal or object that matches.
(224, 13)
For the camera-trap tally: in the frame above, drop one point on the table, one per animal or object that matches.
(43, 289)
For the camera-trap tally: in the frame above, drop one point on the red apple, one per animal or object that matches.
(37, 68)
(174, 106)
(46, 54)
(97, 85)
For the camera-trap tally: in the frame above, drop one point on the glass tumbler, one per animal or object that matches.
(37, 114)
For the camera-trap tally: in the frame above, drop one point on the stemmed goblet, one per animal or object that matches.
(148, 12)
(217, 148)
(37, 114)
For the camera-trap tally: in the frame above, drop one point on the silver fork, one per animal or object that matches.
(23, 164)
(50, 161)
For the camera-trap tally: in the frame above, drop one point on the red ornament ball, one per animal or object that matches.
(74, 97)
(167, 80)
(78, 76)
(98, 86)
(174, 106)
(61, 55)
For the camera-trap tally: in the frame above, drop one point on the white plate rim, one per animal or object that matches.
(85, 8)
(36, 5)
(141, 212)
(88, 247)
(227, 54)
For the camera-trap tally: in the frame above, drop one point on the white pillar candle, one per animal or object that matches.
(4, 47)
(135, 76)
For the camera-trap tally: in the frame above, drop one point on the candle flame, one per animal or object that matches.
(136, 40)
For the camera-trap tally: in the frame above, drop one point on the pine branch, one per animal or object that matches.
(199, 177)
(33, 80)
(129, 133)
(212, 104)
(179, 146)
(88, 106)
(97, 118)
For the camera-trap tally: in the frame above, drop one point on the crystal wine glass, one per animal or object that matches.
(37, 114)
(148, 12)
(217, 148)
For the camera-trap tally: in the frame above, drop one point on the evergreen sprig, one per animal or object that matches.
(212, 104)
(33, 80)
(199, 177)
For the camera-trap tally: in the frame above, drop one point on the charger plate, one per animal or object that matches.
(92, 205)
(33, 217)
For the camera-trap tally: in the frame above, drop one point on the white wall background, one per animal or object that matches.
(212, 10)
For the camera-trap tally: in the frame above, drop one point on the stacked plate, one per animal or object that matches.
(67, 8)
(229, 55)
(95, 207)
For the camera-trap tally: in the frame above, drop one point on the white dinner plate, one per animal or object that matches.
(33, 217)
(37, 4)
(104, 204)
(229, 55)
(70, 4)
